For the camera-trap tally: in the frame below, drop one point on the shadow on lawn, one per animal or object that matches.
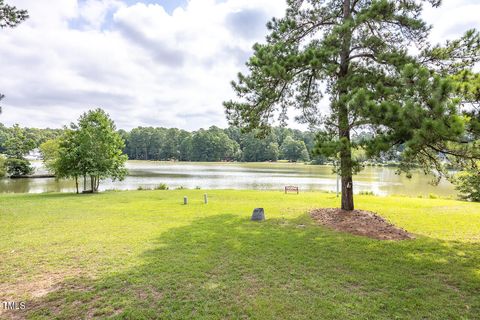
(226, 267)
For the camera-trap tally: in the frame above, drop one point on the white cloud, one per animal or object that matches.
(143, 65)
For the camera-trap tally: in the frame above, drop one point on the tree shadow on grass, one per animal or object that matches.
(226, 267)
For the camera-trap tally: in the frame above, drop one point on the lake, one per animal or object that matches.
(259, 176)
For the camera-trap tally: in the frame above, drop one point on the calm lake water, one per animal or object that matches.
(261, 176)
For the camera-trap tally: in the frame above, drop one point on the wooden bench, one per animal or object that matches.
(291, 188)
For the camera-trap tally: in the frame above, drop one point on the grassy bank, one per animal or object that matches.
(142, 254)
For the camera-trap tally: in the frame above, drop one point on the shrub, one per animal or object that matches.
(468, 184)
(161, 186)
(19, 167)
(366, 193)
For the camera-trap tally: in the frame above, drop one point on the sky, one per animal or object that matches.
(164, 63)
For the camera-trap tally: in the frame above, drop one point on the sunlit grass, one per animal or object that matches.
(143, 254)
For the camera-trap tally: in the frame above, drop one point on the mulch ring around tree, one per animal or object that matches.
(361, 223)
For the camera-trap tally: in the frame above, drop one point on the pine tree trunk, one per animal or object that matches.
(347, 181)
(343, 120)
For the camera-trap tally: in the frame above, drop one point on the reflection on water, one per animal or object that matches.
(265, 176)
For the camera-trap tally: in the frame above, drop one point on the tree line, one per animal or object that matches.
(212, 144)
(216, 144)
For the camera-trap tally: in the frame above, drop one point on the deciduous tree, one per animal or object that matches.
(294, 150)
(17, 147)
(90, 149)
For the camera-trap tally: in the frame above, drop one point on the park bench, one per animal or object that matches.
(291, 189)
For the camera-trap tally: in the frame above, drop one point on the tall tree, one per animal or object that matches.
(100, 148)
(90, 149)
(356, 54)
(10, 17)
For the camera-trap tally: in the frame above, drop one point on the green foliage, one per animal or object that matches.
(213, 145)
(10, 16)
(161, 186)
(50, 153)
(259, 149)
(3, 166)
(157, 144)
(468, 184)
(17, 146)
(175, 144)
(4, 136)
(34, 136)
(355, 53)
(100, 147)
(92, 148)
(366, 193)
(18, 167)
(294, 150)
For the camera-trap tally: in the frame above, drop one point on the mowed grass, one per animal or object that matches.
(144, 255)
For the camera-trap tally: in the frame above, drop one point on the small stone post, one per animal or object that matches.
(205, 198)
(185, 200)
(258, 214)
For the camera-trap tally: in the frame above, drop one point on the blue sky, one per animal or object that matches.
(148, 63)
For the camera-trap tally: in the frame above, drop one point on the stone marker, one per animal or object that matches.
(258, 214)
(205, 198)
(185, 200)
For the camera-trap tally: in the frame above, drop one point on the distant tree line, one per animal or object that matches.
(148, 143)
(216, 144)
(212, 144)
(33, 136)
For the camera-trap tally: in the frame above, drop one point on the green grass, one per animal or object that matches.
(144, 255)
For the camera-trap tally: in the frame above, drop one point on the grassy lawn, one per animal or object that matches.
(144, 255)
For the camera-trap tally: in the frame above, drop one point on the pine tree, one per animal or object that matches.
(358, 54)
(10, 16)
